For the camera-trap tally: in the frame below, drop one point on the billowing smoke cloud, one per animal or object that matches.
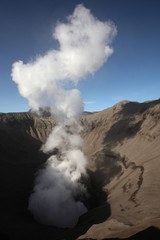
(84, 47)
(53, 201)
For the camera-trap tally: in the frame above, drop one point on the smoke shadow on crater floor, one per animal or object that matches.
(98, 212)
(93, 216)
(124, 128)
(106, 167)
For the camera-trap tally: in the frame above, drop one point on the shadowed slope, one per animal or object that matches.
(122, 146)
(132, 131)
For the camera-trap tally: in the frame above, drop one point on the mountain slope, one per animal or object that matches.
(131, 131)
(122, 146)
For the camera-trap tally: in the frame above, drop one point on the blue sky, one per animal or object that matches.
(131, 73)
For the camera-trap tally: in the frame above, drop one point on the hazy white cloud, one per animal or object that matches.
(89, 102)
(118, 98)
(83, 49)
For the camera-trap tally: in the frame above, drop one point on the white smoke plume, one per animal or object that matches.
(83, 49)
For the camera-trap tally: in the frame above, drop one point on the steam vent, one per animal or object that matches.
(122, 178)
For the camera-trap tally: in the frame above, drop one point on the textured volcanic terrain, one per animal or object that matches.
(122, 144)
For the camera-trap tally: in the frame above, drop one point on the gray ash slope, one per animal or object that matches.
(122, 146)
